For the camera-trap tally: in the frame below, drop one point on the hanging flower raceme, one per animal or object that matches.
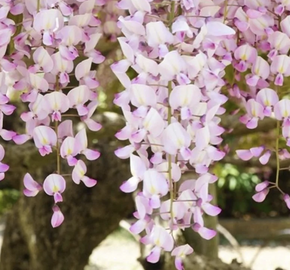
(171, 110)
(266, 70)
(51, 37)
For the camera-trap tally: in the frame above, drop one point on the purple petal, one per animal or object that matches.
(91, 154)
(154, 255)
(185, 153)
(72, 161)
(201, 169)
(257, 151)
(244, 154)
(262, 186)
(178, 263)
(89, 182)
(30, 184)
(207, 233)
(91, 82)
(286, 198)
(279, 80)
(82, 110)
(30, 193)
(253, 123)
(3, 167)
(92, 125)
(260, 196)
(137, 227)
(130, 185)
(57, 217)
(265, 158)
(210, 209)
(125, 151)
(155, 202)
(47, 38)
(57, 197)
(21, 139)
(7, 135)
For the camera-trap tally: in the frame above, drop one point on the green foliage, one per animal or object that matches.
(8, 197)
(230, 176)
(235, 190)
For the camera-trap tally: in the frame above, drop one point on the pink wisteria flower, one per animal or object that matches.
(161, 239)
(180, 252)
(31, 186)
(138, 169)
(44, 139)
(54, 185)
(3, 167)
(262, 191)
(286, 198)
(248, 154)
(57, 217)
(78, 175)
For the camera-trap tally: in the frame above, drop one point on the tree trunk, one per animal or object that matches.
(30, 243)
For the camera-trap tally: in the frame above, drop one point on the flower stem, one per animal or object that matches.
(58, 169)
(226, 10)
(277, 153)
(170, 160)
(170, 19)
(38, 5)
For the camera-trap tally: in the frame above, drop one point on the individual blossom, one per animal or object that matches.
(281, 68)
(47, 22)
(255, 113)
(245, 55)
(262, 190)
(81, 146)
(56, 103)
(54, 185)
(180, 252)
(161, 239)
(267, 98)
(44, 138)
(138, 168)
(57, 217)
(84, 74)
(282, 111)
(31, 186)
(78, 174)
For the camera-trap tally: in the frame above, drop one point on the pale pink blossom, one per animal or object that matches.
(54, 185)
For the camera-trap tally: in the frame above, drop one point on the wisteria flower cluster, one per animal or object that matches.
(172, 111)
(55, 44)
(179, 51)
(260, 58)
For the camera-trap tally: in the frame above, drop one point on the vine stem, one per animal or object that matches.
(38, 5)
(170, 160)
(277, 146)
(58, 169)
(277, 153)
(226, 10)
(171, 19)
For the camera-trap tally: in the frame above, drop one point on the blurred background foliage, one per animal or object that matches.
(8, 198)
(236, 186)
